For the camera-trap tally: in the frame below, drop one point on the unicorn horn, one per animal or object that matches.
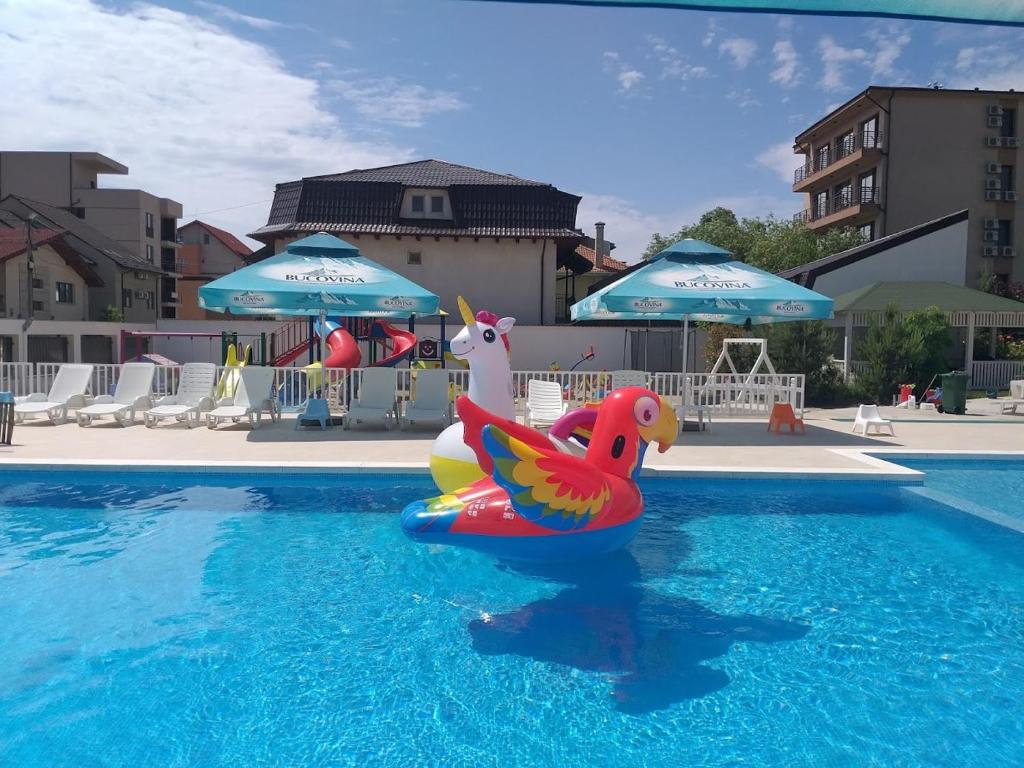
(466, 312)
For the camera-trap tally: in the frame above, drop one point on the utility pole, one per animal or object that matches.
(30, 221)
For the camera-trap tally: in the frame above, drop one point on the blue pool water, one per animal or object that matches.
(284, 620)
(987, 482)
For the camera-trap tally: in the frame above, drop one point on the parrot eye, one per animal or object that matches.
(489, 336)
(646, 411)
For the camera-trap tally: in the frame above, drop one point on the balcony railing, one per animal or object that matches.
(841, 149)
(847, 198)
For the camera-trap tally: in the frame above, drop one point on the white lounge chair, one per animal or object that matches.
(868, 417)
(628, 379)
(67, 392)
(376, 402)
(431, 405)
(133, 393)
(544, 403)
(1016, 397)
(251, 398)
(194, 395)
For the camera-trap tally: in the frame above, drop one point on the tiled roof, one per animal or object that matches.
(13, 240)
(431, 173)
(226, 238)
(608, 265)
(83, 238)
(418, 230)
(13, 243)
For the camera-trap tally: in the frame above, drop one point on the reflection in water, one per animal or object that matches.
(652, 646)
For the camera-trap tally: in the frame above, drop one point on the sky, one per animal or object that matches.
(652, 116)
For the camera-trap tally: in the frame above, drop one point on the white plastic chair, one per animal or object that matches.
(378, 392)
(133, 393)
(194, 395)
(628, 379)
(67, 392)
(868, 417)
(544, 403)
(252, 396)
(1016, 397)
(431, 404)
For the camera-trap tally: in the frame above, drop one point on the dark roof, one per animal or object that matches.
(229, 241)
(483, 204)
(431, 173)
(806, 274)
(13, 243)
(909, 296)
(83, 238)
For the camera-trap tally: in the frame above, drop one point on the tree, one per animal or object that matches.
(806, 347)
(770, 243)
(112, 314)
(932, 326)
(887, 351)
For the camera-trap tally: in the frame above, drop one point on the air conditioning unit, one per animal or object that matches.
(993, 141)
(991, 223)
(1009, 251)
(993, 183)
(993, 195)
(995, 109)
(140, 294)
(993, 168)
(174, 295)
(1011, 196)
(992, 236)
(1011, 141)
(995, 121)
(990, 251)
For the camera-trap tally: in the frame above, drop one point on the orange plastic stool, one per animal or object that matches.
(782, 413)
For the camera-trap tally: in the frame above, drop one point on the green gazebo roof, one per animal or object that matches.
(921, 295)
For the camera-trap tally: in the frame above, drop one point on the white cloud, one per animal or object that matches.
(997, 67)
(744, 99)
(626, 76)
(835, 60)
(198, 114)
(741, 49)
(629, 78)
(630, 227)
(889, 44)
(674, 65)
(711, 33)
(230, 14)
(787, 64)
(386, 100)
(780, 159)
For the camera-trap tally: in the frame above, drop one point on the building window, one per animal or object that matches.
(126, 298)
(37, 305)
(414, 257)
(867, 231)
(150, 299)
(149, 225)
(436, 204)
(869, 133)
(846, 144)
(866, 182)
(79, 212)
(1005, 232)
(1006, 177)
(820, 204)
(1009, 126)
(65, 293)
(1001, 282)
(206, 238)
(149, 253)
(821, 159)
(843, 196)
(37, 283)
(417, 203)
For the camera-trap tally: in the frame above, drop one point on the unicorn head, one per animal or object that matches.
(484, 344)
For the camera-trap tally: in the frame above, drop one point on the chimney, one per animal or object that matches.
(599, 245)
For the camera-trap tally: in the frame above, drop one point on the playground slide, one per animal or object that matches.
(342, 348)
(232, 372)
(403, 343)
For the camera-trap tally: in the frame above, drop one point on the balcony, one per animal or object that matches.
(847, 208)
(863, 146)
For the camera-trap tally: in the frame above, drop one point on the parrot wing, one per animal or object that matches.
(474, 419)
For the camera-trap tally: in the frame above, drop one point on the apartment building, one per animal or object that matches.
(206, 253)
(892, 158)
(142, 223)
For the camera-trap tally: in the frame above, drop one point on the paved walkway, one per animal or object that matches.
(733, 445)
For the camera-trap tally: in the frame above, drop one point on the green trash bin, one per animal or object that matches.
(6, 418)
(954, 392)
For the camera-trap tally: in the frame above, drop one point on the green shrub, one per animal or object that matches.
(903, 349)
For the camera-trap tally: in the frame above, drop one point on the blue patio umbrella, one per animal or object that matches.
(694, 280)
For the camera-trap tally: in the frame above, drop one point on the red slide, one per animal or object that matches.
(343, 350)
(402, 343)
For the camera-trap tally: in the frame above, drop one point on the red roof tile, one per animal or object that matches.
(12, 240)
(229, 240)
(609, 264)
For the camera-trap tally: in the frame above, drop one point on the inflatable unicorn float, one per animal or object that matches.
(533, 497)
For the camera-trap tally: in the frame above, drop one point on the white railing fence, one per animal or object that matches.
(724, 394)
(995, 374)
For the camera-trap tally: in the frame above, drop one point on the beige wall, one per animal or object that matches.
(215, 258)
(504, 277)
(42, 176)
(51, 269)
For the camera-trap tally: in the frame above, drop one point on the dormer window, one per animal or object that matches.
(426, 204)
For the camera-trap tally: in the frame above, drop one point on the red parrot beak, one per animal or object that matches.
(663, 431)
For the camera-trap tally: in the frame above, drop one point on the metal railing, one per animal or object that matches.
(995, 374)
(842, 148)
(16, 378)
(846, 198)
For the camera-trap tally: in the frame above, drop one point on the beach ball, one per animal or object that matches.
(452, 463)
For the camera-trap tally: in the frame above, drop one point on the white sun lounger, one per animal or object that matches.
(431, 404)
(67, 392)
(868, 417)
(1016, 397)
(376, 402)
(194, 395)
(252, 396)
(622, 379)
(544, 403)
(133, 393)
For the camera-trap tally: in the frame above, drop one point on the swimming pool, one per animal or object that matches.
(224, 620)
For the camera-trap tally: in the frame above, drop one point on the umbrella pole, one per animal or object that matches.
(323, 344)
(686, 335)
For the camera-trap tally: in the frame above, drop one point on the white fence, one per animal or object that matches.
(722, 394)
(995, 374)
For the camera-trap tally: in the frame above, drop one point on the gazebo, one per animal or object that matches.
(967, 310)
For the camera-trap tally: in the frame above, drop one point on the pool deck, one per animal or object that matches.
(734, 446)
